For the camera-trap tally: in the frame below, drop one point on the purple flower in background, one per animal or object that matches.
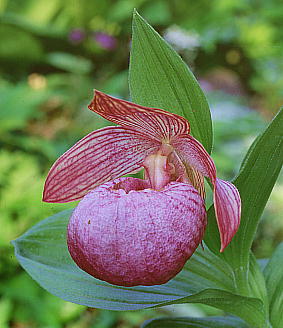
(105, 40)
(77, 35)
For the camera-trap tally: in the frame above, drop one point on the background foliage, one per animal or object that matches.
(52, 56)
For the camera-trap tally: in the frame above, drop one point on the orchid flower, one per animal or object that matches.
(130, 231)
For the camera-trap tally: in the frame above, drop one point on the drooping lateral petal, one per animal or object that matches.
(192, 153)
(101, 156)
(227, 200)
(155, 123)
(227, 203)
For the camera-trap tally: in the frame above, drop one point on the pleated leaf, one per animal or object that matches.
(187, 322)
(207, 279)
(159, 78)
(247, 308)
(273, 274)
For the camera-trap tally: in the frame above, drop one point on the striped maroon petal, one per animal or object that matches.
(101, 156)
(227, 203)
(153, 122)
(227, 200)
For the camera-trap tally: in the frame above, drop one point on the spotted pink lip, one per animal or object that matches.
(148, 138)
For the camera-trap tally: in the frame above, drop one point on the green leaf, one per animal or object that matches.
(187, 322)
(69, 63)
(42, 251)
(15, 96)
(6, 309)
(32, 11)
(27, 49)
(248, 308)
(255, 181)
(158, 77)
(273, 274)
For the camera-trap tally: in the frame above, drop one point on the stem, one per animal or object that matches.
(241, 281)
(241, 276)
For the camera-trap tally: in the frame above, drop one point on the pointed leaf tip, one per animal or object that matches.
(158, 77)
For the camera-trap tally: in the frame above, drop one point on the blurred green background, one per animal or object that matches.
(54, 53)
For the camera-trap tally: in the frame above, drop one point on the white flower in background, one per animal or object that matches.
(181, 39)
